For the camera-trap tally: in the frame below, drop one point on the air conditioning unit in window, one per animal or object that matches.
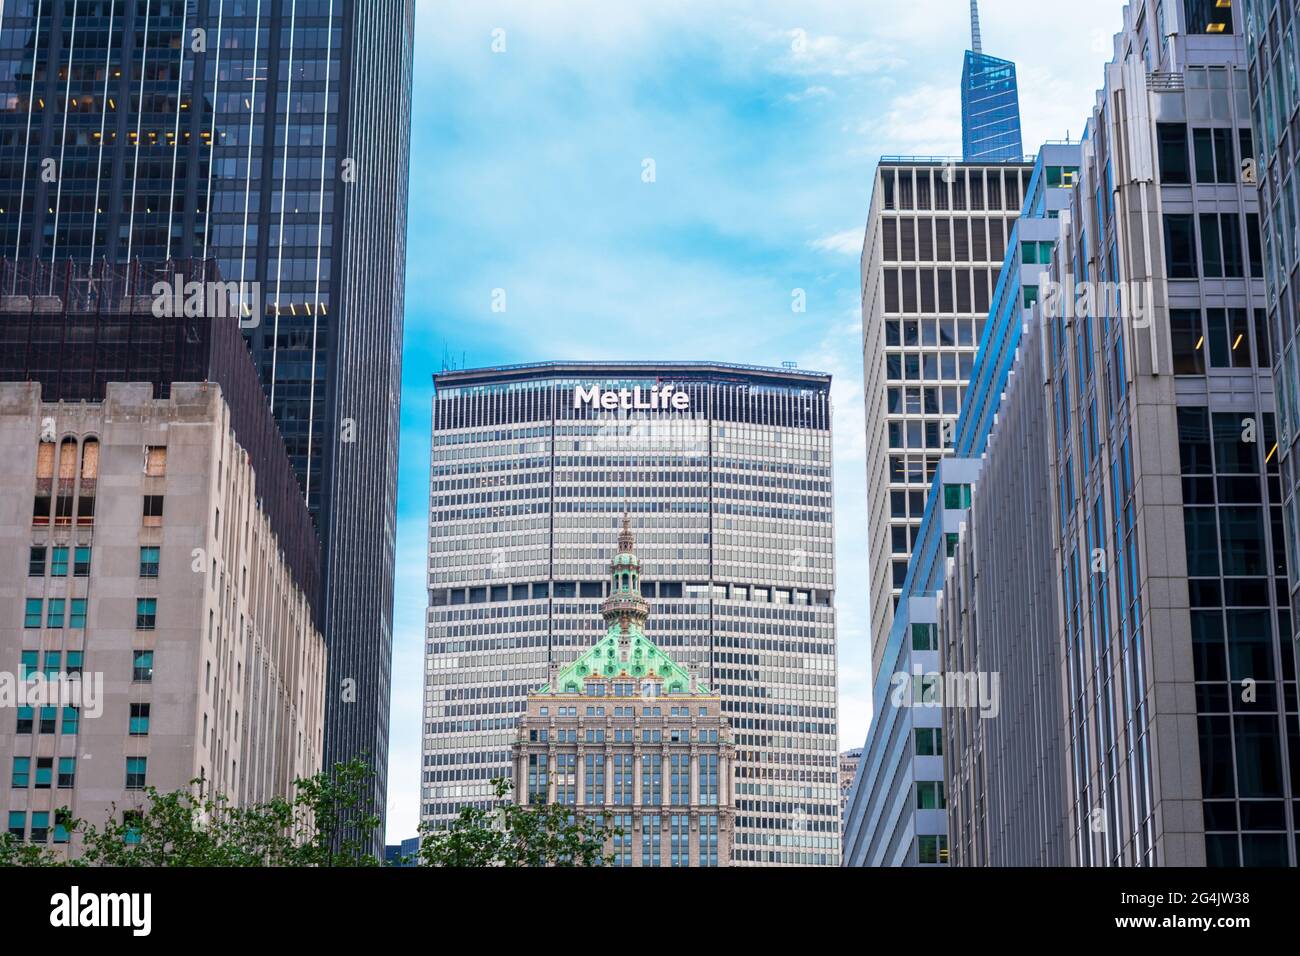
(1248, 172)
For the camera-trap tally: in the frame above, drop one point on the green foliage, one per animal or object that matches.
(515, 835)
(328, 822)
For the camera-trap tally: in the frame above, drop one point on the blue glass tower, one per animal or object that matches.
(990, 104)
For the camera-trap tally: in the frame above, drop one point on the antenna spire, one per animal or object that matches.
(975, 44)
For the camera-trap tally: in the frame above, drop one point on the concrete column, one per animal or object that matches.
(609, 777)
(636, 778)
(550, 776)
(582, 778)
(695, 777)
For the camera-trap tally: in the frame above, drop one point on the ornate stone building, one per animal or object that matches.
(628, 736)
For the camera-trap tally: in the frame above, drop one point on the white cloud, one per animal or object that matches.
(848, 242)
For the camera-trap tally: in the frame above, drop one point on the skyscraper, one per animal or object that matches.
(1161, 429)
(631, 739)
(935, 239)
(1276, 124)
(990, 103)
(896, 810)
(726, 474)
(271, 136)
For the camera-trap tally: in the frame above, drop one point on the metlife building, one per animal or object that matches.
(726, 474)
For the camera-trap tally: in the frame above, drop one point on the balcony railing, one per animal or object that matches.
(1165, 82)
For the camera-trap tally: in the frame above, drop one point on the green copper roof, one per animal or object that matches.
(625, 651)
(644, 658)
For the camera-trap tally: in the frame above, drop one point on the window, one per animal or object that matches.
(32, 616)
(1172, 140)
(54, 618)
(53, 664)
(75, 659)
(27, 664)
(1180, 246)
(44, 772)
(67, 772)
(59, 563)
(25, 719)
(155, 461)
(41, 826)
(1207, 16)
(929, 795)
(146, 613)
(132, 820)
(36, 562)
(135, 772)
(956, 496)
(71, 720)
(153, 510)
(149, 562)
(21, 777)
(81, 563)
(139, 720)
(49, 717)
(929, 742)
(18, 824)
(1188, 341)
(142, 667)
(77, 617)
(925, 637)
(932, 848)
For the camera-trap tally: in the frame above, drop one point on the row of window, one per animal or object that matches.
(1220, 246)
(1221, 338)
(52, 612)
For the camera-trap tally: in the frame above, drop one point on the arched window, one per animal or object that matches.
(90, 460)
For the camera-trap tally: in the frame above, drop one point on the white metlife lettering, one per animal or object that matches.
(658, 398)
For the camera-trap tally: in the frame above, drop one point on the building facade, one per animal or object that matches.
(632, 740)
(990, 104)
(142, 566)
(271, 137)
(726, 474)
(1270, 57)
(1179, 676)
(1005, 769)
(935, 240)
(896, 813)
(848, 770)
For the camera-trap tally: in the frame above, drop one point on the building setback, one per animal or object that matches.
(1274, 99)
(935, 239)
(154, 540)
(271, 137)
(728, 487)
(632, 740)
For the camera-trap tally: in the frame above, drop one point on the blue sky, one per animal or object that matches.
(764, 121)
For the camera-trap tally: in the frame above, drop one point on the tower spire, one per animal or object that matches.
(626, 542)
(975, 44)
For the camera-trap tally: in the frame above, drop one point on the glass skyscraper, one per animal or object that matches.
(272, 137)
(990, 104)
(725, 473)
(1269, 27)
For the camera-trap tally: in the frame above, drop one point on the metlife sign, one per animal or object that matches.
(659, 398)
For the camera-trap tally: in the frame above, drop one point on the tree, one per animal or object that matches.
(545, 834)
(194, 827)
